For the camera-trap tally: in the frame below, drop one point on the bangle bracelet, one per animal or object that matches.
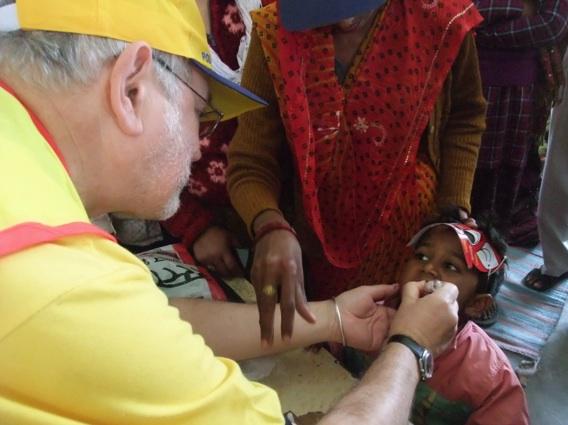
(338, 314)
(271, 227)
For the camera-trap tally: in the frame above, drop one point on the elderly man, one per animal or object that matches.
(100, 104)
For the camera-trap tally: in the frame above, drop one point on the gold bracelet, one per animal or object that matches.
(338, 314)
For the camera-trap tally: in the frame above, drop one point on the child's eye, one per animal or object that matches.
(451, 267)
(421, 257)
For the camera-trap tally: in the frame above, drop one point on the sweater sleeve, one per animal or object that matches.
(254, 172)
(461, 137)
(547, 27)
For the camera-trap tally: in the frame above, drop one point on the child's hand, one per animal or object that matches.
(215, 250)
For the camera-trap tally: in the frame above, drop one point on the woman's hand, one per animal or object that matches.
(277, 270)
(365, 320)
(466, 219)
(277, 273)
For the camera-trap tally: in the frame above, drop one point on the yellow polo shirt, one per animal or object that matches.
(85, 336)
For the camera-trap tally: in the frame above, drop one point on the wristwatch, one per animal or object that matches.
(423, 355)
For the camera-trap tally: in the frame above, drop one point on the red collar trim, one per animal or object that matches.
(38, 124)
(27, 235)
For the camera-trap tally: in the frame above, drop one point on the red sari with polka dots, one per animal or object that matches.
(356, 144)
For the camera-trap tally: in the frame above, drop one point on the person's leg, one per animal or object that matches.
(517, 148)
(553, 203)
(484, 191)
(489, 163)
(523, 212)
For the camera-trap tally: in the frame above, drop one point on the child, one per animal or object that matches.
(473, 382)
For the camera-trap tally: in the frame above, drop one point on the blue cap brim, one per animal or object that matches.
(300, 15)
(228, 97)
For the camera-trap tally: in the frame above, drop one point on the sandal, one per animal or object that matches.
(540, 282)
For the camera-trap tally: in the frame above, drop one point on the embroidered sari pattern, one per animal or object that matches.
(355, 146)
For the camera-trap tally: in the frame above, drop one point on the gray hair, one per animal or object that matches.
(60, 60)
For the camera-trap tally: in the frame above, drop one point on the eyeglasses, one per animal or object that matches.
(210, 118)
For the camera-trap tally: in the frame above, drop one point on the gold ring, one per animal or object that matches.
(269, 290)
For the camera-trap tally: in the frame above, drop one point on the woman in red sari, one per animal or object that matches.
(374, 122)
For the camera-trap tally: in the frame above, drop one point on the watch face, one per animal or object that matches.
(426, 364)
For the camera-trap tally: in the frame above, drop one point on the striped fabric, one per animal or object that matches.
(510, 117)
(546, 28)
(502, 169)
(527, 318)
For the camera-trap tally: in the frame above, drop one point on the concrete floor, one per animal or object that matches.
(547, 390)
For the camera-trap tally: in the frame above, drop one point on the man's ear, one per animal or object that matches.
(479, 306)
(129, 79)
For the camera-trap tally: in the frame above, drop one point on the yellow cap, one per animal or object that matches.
(173, 26)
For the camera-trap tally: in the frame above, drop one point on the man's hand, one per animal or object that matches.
(431, 319)
(215, 249)
(366, 321)
(277, 269)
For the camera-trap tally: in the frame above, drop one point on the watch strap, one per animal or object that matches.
(419, 352)
(416, 348)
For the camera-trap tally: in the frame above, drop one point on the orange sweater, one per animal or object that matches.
(259, 157)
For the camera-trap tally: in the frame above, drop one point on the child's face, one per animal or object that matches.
(438, 255)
